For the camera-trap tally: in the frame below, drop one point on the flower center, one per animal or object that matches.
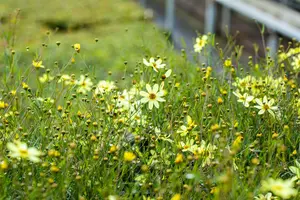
(266, 107)
(23, 153)
(152, 96)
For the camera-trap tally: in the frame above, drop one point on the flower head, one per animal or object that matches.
(152, 96)
(84, 84)
(282, 188)
(155, 64)
(245, 98)
(200, 43)
(265, 105)
(20, 150)
(129, 156)
(105, 86)
(77, 47)
(38, 64)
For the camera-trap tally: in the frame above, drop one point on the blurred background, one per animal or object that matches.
(186, 18)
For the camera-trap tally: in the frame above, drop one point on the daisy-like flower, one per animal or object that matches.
(66, 79)
(153, 96)
(200, 43)
(77, 47)
(84, 84)
(268, 196)
(183, 130)
(20, 150)
(296, 63)
(129, 156)
(265, 105)
(206, 152)
(38, 64)
(282, 188)
(155, 64)
(45, 78)
(3, 105)
(105, 86)
(245, 98)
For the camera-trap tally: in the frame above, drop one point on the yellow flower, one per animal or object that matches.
(129, 156)
(220, 100)
(228, 63)
(179, 158)
(155, 64)
(152, 96)
(3, 105)
(245, 98)
(13, 92)
(25, 86)
(105, 86)
(77, 47)
(84, 84)
(200, 43)
(265, 105)
(183, 130)
(282, 188)
(3, 165)
(45, 78)
(38, 64)
(176, 197)
(296, 63)
(20, 150)
(268, 196)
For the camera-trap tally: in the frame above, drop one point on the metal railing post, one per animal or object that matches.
(170, 15)
(210, 16)
(226, 20)
(143, 2)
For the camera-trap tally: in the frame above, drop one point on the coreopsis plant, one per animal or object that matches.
(20, 149)
(201, 42)
(266, 105)
(245, 99)
(282, 188)
(153, 96)
(155, 64)
(113, 127)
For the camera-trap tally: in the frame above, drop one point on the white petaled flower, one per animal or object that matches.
(200, 43)
(245, 98)
(20, 150)
(282, 188)
(84, 84)
(105, 86)
(153, 96)
(268, 196)
(183, 130)
(296, 63)
(155, 64)
(265, 105)
(66, 79)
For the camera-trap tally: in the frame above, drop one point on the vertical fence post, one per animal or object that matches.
(272, 43)
(170, 15)
(226, 20)
(210, 16)
(143, 2)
